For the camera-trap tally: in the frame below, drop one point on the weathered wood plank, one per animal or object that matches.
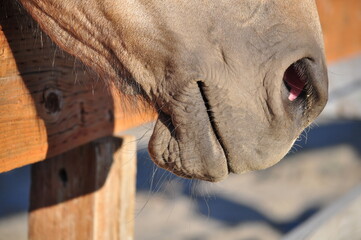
(86, 193)
(48, 103)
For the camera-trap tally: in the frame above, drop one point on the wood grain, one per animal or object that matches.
(48, 103)
(86, 193)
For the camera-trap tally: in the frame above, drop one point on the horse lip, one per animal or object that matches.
(212, 121)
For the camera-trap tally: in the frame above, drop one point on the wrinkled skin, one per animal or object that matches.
(216, 71)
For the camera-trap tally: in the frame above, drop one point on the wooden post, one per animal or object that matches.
(86, 193)
(48, 103)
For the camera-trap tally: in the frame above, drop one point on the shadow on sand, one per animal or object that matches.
(230, 213)
(14, 185)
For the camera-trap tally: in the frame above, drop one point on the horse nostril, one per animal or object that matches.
(296, 80)
(305, 89)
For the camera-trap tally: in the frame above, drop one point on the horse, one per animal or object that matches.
(234, 82)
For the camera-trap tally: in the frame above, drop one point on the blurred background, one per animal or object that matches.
(321, 167)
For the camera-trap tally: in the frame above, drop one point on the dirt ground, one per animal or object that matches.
(260, 205)
(322, 166)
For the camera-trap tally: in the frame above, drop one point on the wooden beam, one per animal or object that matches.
(48, 103)
(341, 24)
(86, 193)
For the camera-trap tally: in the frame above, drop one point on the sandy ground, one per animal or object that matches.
(259, 205)
(322, 166)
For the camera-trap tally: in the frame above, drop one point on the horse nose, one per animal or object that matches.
(305, 89)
